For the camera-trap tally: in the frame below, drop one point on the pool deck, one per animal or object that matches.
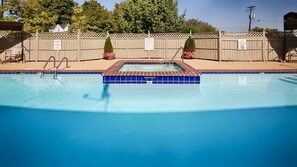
(202, 65)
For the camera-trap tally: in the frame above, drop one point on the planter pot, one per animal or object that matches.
(188, 55)
(109, 56)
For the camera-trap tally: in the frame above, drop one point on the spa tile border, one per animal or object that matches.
(188, 75)
(114, 69)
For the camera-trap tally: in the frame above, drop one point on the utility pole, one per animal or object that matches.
(251, 16)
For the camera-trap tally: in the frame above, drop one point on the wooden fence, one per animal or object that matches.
(260, 46)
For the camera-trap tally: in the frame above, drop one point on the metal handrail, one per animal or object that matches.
(61, 61)
(175, 55)
(43, 69)
(55, 67)
(48, 60)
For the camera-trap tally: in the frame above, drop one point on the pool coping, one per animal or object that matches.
(247, 71)
(51, 71)
(217, 71)
(114, 69)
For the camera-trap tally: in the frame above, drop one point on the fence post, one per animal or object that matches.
(283, 56)
(263, 46)
(37, 45)
(78, 52)
(127, 47)
(149, 35)
(166, 47)
(220, 46)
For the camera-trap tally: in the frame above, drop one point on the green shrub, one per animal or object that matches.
(190, 45)
(108, 46)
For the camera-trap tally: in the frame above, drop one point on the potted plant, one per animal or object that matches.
(108, 50)
(189, 48)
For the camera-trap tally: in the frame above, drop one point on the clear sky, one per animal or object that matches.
(231, 15)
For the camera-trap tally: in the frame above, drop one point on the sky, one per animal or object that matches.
(230, 15)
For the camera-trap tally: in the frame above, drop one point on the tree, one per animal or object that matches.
(2, 9)
(78, 18)
(62, 8)
(91, 17)
(258, 29)
(40, 14)
(167, 18)
(108, 50)
(120, 24)
(37, 15)
(139, 16)
(189, 48)
(197, 26)
(269, 30)
(12, 7)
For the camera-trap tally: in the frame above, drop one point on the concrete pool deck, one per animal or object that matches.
(203, 65)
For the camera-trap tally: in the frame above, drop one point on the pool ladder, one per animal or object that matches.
(170, 61)
(55, 68)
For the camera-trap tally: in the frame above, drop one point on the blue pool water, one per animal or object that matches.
(150, 68)
(75, 120)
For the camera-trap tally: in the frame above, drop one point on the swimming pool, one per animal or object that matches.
(75, 120)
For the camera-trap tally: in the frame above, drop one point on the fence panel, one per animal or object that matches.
(261, 46)
(207, 48)
(254, 47)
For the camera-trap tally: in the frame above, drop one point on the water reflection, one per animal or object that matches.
(87, 93)
(105, 96)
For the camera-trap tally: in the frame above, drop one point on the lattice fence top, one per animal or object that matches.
(205, 35)
(33, 35)
(165, 35)
(127, 35)
(291, 34)
(160, 35)
(57, 35)
(92, 35)
(170, 35)
(3, 34)
(243, 34)
(281, 34)
(15, 35)
(10, 35)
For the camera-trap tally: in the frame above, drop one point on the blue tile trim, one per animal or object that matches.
(154, 80)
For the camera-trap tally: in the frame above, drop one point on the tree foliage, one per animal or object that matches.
(197, 26)
(36, 16)
(108, 48)
(190, 45)
(269, 30)
(140, 16)
(94, 17)
(129, 16)
(2, 9)
(78, 19)
(40, 14)
(12, 7)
